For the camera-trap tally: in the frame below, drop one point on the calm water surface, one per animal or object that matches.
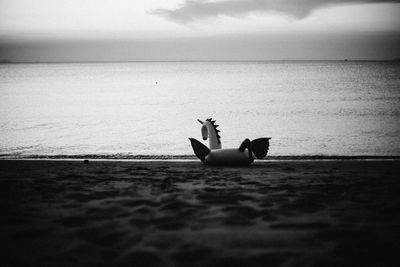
(308, 108)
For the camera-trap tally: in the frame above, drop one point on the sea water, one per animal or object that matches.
(151, 108)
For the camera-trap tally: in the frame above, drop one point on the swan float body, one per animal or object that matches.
(215, 155)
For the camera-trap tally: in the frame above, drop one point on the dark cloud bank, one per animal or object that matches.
(364, 46)
(192, 10)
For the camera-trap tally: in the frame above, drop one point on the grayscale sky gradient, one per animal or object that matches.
(124, 30)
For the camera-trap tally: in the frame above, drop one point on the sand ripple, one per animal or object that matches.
(283, 213)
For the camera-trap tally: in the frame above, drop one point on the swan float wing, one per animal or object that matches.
(260, 147)
(200, 150)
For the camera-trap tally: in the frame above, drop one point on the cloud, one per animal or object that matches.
(192, 10)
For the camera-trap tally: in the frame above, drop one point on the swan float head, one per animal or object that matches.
(215, 155)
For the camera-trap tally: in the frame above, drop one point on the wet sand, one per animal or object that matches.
(163, 213)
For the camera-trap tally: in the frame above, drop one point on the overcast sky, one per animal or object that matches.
(109, 30)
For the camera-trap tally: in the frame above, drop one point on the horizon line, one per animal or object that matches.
(6, 61)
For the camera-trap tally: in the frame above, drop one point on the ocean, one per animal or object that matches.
(342, 108)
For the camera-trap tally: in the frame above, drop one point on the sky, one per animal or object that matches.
(126, 30)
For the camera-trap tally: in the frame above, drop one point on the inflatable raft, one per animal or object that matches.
(215, 155)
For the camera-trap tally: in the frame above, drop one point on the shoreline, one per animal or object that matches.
(178, 158)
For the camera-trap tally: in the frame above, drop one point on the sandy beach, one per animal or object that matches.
(181, 213)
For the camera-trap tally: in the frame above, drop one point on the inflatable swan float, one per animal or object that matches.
(215, 155)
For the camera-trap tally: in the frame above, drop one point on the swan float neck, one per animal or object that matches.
(209, 131)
